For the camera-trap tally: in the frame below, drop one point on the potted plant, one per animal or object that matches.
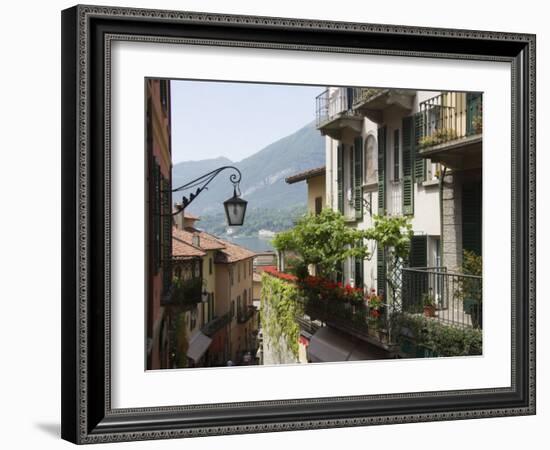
(471, 289)
(428, 301)
(477, 124)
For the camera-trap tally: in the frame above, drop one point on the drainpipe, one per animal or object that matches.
(441, 179)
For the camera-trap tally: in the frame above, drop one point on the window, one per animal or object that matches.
(210, 266)
(238, 273)
(231, 275)
(318, 205)
(232, 308)
(197, 270)
(371, 162)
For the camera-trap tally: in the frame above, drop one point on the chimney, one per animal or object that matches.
(178, 218)
(196, 240)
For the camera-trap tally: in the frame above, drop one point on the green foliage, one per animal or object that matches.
(280, 306)
(393, 233)
(438, 137)
(442, 339)
(186, 292)
(472, 263)
(470, 289)
(323, 240)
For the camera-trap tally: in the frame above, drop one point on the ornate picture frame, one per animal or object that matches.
(88, 33)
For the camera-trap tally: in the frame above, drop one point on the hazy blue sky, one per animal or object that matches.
(235, 120)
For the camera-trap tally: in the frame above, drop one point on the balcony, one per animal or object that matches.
(245, 314)
(216, 324)
(334, 113)
(373, 102)
(450, 298)
(449, 130)
(185, 293)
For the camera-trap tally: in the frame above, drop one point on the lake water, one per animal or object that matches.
(253, 243)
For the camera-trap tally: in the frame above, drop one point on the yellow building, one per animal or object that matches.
(225, 323)
(316, 187)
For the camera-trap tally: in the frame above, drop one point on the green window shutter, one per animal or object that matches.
(340, 177)
(358, 273)
(396, 168)
(418, 252)
(359, 269)
(381, 171)
(380, 270)
(358, 177)
(408, 182)
(419, 162)
(471, 217)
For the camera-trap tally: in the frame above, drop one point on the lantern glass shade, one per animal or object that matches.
(235, 209)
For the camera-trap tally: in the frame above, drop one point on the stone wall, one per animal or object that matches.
(452, 222)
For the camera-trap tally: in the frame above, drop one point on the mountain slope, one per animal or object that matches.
(263, 184)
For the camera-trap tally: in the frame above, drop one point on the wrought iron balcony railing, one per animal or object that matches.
(362, 95)
(448, 117)
(450, 298)
(245, 314)
(331, 103)
(186, 292)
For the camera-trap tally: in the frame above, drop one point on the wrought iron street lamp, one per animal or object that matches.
(235, 207)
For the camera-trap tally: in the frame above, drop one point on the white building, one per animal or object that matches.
(373, 167)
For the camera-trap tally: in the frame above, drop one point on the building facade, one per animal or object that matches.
(158, 226)
(395, 152)
(225, 325)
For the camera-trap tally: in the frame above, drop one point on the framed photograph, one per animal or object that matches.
(280, 224)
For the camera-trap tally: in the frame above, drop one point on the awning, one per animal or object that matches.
(330, 345)
(198, 345)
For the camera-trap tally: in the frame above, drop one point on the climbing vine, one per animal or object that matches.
(280, 306)
(181, 341)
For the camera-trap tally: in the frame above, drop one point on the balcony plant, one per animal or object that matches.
(471, 288)
(477, 124)
(438, 136)
(428, 301)
(186, 292)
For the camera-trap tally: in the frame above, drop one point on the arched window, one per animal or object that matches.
(371, 161)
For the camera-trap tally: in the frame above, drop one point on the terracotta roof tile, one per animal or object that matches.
(232, 253)
(181, 249)
(228, 252)
(206, 241)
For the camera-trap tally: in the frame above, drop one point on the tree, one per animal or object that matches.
(323, 240)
